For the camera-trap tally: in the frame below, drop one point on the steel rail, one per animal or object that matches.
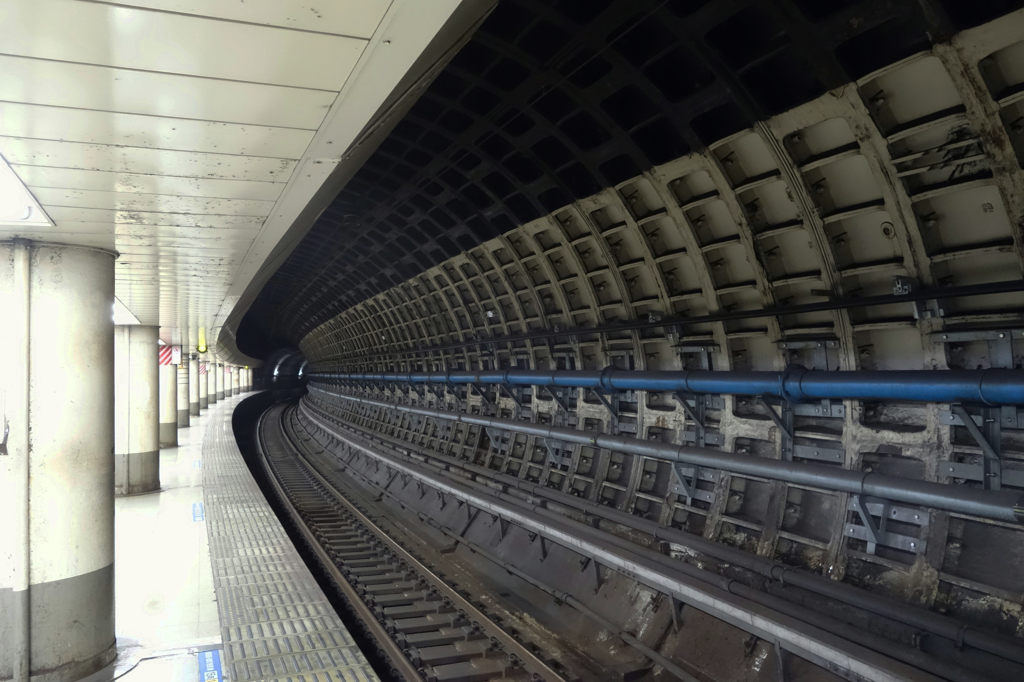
(795, 383)
(807, 633)
(559, 595)
(530, 661)
(400, 664)
(966, 291)
(1010, 648)
(1002, 505)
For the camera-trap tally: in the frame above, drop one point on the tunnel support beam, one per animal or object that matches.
(136, 410)
(56, 463)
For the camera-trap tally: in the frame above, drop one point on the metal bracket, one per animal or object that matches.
(819, 349)
(784, 422)
(989, 442)
(610, 405)
(454, 390)
(558, 398)
(826, 408)
(696, 413)
(698, 347)
(471, 515)
(512, 393)
(556, 453)
(876, 533)
(684, 482)
(483, 395)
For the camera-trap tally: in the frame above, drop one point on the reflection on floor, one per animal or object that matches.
(166, 611)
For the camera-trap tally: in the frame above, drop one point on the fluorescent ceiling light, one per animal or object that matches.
(17, 205)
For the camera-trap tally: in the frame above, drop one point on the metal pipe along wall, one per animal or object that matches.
(989, 387)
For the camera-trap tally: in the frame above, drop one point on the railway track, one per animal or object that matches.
(423, 627)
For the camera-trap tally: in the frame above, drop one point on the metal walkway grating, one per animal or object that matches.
(276, 623)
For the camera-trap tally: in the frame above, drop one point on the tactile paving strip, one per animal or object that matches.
(276, 623)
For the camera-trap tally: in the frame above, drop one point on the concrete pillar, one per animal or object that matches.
(211, 382)
(193, 385)
(236, 376)
(57, 478)
(183, 416)
(136, 410)
(244, 380)
(168, 406)
(220, 380)
(204, 400)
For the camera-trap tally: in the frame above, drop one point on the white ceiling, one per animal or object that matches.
(169, 130)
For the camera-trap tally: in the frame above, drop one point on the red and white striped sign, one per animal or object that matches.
(202, 368)
(165, 355)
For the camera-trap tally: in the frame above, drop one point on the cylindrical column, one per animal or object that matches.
(183, 416)
(246, 387)
(235, 380)
(136, 410)
(168, 404)
(193, 385)
(220, 380)
(204, 399)
(57, 478)
(211, 382)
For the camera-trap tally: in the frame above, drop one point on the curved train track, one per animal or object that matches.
(423, 627)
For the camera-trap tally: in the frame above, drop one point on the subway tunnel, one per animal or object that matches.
(543, 340)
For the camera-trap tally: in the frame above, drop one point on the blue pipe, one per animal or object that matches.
(795, 383)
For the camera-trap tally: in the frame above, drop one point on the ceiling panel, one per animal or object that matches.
(71, 178)
(62, 215)
(19, 150)
(168, 130)
(84, 86)
(161, 203)
(356, 18)
(104, 127)
(126, 37)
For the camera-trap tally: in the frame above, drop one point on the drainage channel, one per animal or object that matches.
(426, 629)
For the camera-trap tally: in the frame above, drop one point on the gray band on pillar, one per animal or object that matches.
(193, 409)
(142, 470)
(182, 418)
(59, 609)
(169, 434)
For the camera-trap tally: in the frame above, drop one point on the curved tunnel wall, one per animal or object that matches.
(551, 102)
(747, 193)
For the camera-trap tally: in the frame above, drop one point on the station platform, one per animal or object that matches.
(208, 585)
